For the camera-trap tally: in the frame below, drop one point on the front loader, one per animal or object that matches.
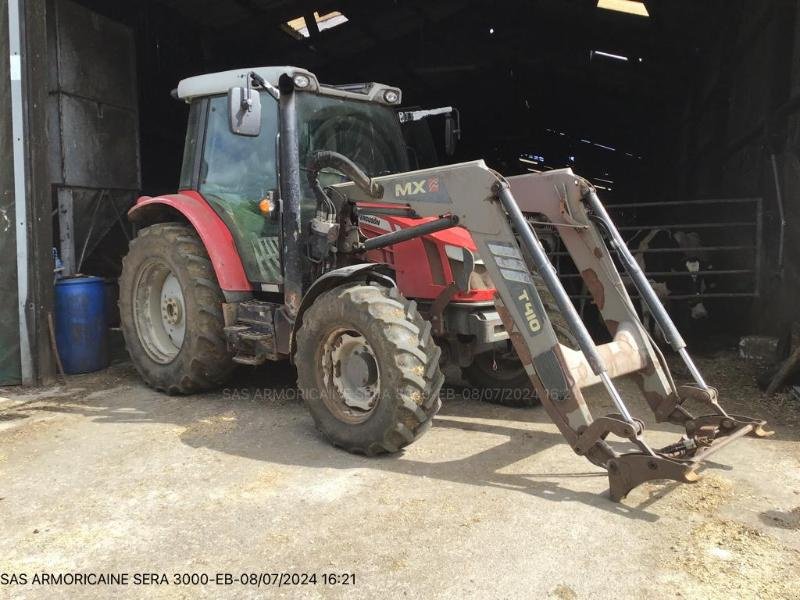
(300, 233)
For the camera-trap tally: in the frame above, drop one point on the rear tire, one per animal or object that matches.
(368, 368)
(508, 384)
(171, 311)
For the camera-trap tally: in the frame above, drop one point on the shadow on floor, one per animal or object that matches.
(267, 422)
(270, 424)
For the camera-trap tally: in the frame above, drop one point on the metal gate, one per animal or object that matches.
(734, 238)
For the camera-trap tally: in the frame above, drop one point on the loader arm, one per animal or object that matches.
(492, 208)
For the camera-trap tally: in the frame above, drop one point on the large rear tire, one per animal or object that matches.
(368, 368)
(171, 311)
(500, 378)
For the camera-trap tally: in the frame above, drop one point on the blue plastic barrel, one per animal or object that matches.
(81, 327)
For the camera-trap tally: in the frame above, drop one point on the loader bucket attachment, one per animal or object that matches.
(494, 210)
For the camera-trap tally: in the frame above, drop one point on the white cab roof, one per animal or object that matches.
(219, 83)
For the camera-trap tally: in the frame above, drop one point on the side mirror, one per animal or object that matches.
(452, 132)
(244, 109)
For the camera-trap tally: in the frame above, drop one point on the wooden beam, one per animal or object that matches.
(789, 366)
(40, 193)
(311, 25)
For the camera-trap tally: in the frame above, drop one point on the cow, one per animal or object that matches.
(676, 268)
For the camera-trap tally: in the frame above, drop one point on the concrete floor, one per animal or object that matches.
(109, 476)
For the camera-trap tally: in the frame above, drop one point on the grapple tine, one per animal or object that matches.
(627, 471)
(760, 431)
(719, 443)
(726, 425)
(631, 470)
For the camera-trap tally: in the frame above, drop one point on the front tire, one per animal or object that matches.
(171, 311)
(368, 368)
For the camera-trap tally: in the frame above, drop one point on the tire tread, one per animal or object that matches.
(408, 336)
(210, 363)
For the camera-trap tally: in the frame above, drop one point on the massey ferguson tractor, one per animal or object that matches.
(299, 233)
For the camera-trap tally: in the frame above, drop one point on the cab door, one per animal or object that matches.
(234, 173)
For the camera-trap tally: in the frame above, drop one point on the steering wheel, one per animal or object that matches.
(357, 140)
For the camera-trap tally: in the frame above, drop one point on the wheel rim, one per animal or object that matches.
(351, 373)
(159, 311)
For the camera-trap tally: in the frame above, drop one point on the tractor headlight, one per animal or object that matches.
(301, 81)
(391, 96)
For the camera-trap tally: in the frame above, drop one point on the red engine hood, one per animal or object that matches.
(422, 265)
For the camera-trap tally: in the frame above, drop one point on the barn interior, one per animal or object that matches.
(656, 102)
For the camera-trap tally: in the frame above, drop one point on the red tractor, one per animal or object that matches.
(299, 233)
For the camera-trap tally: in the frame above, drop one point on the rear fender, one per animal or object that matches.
(366, 272)
(212, 230)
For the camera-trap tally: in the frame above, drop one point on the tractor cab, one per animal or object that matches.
(232, 152)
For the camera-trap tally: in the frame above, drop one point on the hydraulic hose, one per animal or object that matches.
(327, 159)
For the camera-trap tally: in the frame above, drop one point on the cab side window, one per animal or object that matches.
(192, 145)
(237, 165)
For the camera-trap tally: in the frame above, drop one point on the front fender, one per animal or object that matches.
(360, 272)
(212, 230)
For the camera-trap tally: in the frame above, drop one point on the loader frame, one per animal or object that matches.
(495, 212)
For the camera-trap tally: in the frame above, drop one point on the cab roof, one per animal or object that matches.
(219, 83)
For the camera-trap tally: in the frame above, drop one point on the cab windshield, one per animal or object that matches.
(365, 132)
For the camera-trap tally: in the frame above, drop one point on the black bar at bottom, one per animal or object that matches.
(403, 235)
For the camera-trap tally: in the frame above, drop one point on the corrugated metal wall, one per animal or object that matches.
(9, 323)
